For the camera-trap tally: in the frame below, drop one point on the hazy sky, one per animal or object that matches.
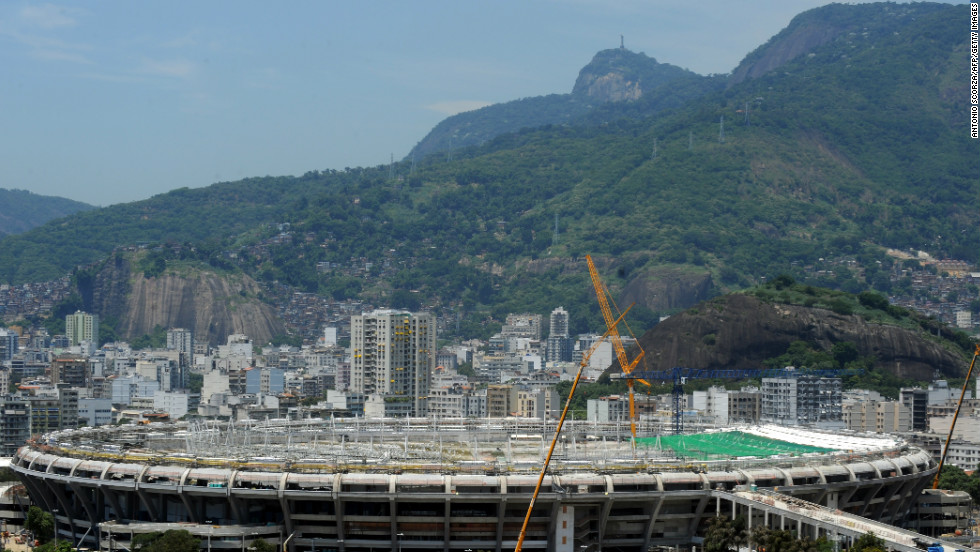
(115, 101)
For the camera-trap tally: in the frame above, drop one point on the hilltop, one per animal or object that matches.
(21, 210)
(807, 157)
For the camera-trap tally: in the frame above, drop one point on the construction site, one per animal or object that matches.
(454, 485)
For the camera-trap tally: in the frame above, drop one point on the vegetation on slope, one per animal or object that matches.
(21, 210)
(827, 162)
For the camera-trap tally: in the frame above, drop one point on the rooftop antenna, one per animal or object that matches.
(721, 130)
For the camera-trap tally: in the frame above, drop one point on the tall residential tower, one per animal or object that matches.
(82, 326)
(393, 354)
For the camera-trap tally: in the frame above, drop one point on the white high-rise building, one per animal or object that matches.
(558, 348)
(393, 354)
(81, 327)
(559, 323)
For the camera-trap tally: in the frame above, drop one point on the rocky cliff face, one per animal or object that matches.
(740, 331)
(859, 26)
(212, 305)
(668, 288)
(784, 48)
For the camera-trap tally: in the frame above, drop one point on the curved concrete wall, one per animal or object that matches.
(363, 511)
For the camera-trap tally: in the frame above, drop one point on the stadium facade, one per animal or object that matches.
(448, 485)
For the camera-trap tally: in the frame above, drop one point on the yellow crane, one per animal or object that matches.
(627, 366)
(561, 422)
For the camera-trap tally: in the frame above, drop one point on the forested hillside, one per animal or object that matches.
(21, 210)
(855, 144)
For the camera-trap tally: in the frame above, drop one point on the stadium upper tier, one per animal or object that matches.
(450, 484)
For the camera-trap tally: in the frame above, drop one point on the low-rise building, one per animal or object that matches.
(94, 412)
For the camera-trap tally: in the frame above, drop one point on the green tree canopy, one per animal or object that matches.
(261, 545)
(173, 540)
(724, 534)
(40, 523)
(869, 542)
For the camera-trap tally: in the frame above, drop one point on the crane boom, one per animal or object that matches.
(956, 414)
(625, 365)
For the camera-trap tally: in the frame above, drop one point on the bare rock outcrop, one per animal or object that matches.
(667, 288)
(740, 331)
(210, 304)
(618, 75)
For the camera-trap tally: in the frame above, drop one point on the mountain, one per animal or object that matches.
(21, 210)
(612, 77)
(812, 159)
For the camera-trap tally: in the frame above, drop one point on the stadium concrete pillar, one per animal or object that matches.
(564, 523)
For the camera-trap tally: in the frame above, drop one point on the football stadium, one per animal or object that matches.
(453, 485)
